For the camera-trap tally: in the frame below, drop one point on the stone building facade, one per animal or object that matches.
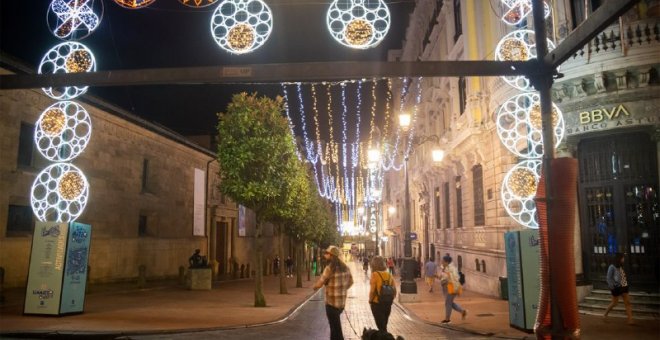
(141, 205)
(456, 205)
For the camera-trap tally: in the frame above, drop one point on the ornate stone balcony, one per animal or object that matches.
(612, 61)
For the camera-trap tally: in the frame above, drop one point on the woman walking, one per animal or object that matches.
(380, 309)
(450, 288)
(618, 284)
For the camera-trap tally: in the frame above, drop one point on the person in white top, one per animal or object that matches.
(450, 288)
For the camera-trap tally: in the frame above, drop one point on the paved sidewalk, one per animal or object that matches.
(490, 317)
(165, 307)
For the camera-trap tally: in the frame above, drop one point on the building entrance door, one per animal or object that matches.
(619, 211)
(221, 247)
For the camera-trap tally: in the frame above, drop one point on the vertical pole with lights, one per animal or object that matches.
(408, 285)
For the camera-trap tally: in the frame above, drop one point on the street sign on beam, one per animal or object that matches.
(607, 13)
(271, 73)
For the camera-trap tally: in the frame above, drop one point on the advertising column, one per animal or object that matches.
(524, 281)
(58, 268)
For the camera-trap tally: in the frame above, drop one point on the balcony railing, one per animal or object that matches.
(636, 35)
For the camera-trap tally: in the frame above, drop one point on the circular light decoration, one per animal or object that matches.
(518, 45)
(197, 3)
(519, 190)
(519, 125)
(63, 131)
(241, 26)
(517, 10)
(134, 4)
(74, 20)
(358, 24)
(59, 193)
(68, 57)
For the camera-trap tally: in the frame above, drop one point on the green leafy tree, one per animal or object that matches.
(255, 151)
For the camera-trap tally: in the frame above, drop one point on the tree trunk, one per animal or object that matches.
(259, 298)
(299, 263)
(308, 259)
(280, 249)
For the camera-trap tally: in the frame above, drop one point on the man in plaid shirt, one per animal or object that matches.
(337, 279)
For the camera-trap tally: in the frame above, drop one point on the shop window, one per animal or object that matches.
(20, 221)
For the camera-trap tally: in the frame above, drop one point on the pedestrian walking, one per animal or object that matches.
(365, 265)
(450, 288)
(276, 265)
(390, 265)
(381, 305)
(430, 271)
(289, 266)
(618, 284)
(337, 279)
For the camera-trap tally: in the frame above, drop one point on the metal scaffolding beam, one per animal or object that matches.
(607, 13)
(271, 73)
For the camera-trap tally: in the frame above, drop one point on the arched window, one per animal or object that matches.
(483, 265)
(477, 264)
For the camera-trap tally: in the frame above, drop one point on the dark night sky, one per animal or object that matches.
(169, 34)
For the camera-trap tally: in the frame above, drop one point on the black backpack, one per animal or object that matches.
(387, 291)
(461, 278)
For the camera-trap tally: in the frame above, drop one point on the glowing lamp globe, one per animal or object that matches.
(62, 131)
(358, 24)
(241, 26)
(59, 193)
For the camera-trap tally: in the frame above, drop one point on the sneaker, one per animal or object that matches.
(446, 321)
(464, 314)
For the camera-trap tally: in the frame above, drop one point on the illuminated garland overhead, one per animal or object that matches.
(67, 57)
(359, 24)
(517, 10)
(519, 190)
(197, 3)
(62, 131)
(518, 45)
(59, 193)
(241, 26)
(74, 20)
(519, 125)
(134, 4)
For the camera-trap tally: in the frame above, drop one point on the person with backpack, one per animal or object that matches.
(337, 279)
(451, 287)
(381, 293)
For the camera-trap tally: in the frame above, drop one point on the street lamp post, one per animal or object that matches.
(408, 285)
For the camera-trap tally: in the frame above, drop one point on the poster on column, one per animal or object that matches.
(75, 268)
(44, 286)
(514, 280)
(530, 258)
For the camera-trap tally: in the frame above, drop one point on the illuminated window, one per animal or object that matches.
(20, 220)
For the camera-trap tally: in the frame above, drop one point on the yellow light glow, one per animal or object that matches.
(437, 155)
(358, 32)
(71, 185)
(535, 117)
(53, 121)
(514, 50)
(240, 37)
(522, 182)
(78, 61)
(404, 120)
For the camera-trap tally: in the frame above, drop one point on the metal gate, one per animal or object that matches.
(619, 209)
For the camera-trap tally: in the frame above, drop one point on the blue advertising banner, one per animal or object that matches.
(530, 255)
(75, 268)
(44, 286)
(524, 277)
(514, 278)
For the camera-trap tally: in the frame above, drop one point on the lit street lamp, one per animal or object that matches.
(408, 285)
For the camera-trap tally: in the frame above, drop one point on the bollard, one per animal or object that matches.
(2, 285)
(142, 276)
(242, 271)
(182, 276)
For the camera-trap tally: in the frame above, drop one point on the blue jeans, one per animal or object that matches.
(449, 303)
(334, 321)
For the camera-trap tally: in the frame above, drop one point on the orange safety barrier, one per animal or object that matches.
(557, 240)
